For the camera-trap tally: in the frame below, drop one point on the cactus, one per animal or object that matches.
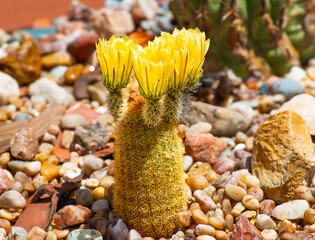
(150, 188)
(268, 36)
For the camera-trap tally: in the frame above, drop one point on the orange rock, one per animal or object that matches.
(79, 108)
(49, 170)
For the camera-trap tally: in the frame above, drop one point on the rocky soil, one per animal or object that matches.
(249, 158)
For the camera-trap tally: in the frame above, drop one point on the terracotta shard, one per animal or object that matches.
(42, 206)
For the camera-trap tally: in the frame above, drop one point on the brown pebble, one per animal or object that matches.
(257, 192)
(197, 182)
(199, 217)
(286, 226)
(304, 193)
(266, 206)
(54, 129)
(5, 224)
(229, 221)
(226, 206)
(185, 218)
(309, 216)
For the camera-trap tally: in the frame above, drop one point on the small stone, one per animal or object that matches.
(49, 170)
(296, 74)
(68, 167)
(237, 209)
(224, 164)
(309, 216)
(266, 206)
(290, 210)
(42, 157)
(55, 59)
(17, 186)
(289, 88)
(229, 222)
(98, 93)
(98, 193)
(16, 231)
(205, 237)
(71, 121)
(90, 234)
(133, 235)
(117, 230)
(304, 193)
(257, 192)
(251, 181)
(31, 168)
(8, 88)
(243, 108)
(84, 197)
(217, 220)
(58, 72)
(4, 159)
(240, 137)
(49, 138)
(5, 182)
(249, 144)
(206, 202)
(235, 192)
(99, 174)
(22, 116)
(39, 180)
(249, 214)
(61, 234)
(9, 215)
(3, 117)
(197, 182)
(185, 218)
(201, 127)
(226, 206)
(50, 91)
(51, 236)
(24, 145)
(263, 221)
(204, 147)
(6, 225)
(71, 215)
(92, 163)
(245, 230)
(36, 233)
(54, 129)
(188, 161)
(46, 147)
(99, 205)
(286, 226)
(199, 217)
(250, 202)
(312, 228)
(269, 234)
(12, 199)
(92, 182)
(67, 138)
(73, 73)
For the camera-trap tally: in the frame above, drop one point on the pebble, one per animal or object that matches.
(16, 165)
(229, 222)
(99, 174)
(304, 193)
(99, 205)
(98, 193)
(12, 199)
(285, 226)
(244, 228)
(32, 168)
(9, 215)
(206, 203)
(67, 167)
(92, 182)
(18, 230)
(58, 72)
(117, 230)
(39, 180)
(197, 182)
(8, 87)
(217, 220)
(202, 229)
(49, 138)
(133, 235)
(266, 206)
(90, 234)
(4, 159)
(249, 214)
(17, 186)
(84, 197)
(46, 147)
(51, 236)
(269, 234)
(49, 170)
(54, 129)
(309, 216)
(185, 218)
(201, 127)
(289, 88)
(2, 233)
(56, 59)
(240, 137)
(61, 234)
(235, 192)
(263, 221)
(251, 181)
(6, 225)
(296, 74)
(290, 210)
(73, 73)
(199, 217)
(67, 138)
(243, 109)
(237, 209)
(188, 161)
(25, 180)
(24, 145)
(257, 192)
(71, 121)
(91, 163)
(205, 237)
(36, 233)
(250, 202)
(5, 182)
(71, 215)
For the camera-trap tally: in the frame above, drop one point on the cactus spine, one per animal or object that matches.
(150, 185)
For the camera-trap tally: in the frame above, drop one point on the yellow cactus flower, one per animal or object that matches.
(115, 59)
(153, 67)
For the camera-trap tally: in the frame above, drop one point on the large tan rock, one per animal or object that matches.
(283, 155)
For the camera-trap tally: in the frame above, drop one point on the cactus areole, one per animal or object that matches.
(150, 187)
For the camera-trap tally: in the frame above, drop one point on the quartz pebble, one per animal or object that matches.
(197, 182)
(36, 233)
(250, 202)
(31, 168)
(5, 182)
(290, 210)
(309, 216)
(235, 192)
(286, 226)
(199, 217)
(185, 218)
(251, 181)
(4, 159)
(304, 193)
(201, 127)
(84, 234)
(188, 161)
(206, 202)
(12, 199)
(263, 221)
(54, 129)
(269, 234)
(237, 209)
(71, 121)
(6, 225)
(205, 237)
(133, 235)
(202, 229)
(46, 148)
(91, 163)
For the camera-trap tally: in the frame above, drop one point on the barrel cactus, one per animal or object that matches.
(150, 186)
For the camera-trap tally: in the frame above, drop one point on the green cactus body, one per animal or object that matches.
(150, 187)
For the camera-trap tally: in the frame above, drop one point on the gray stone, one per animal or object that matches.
(71, 121)
(117, 230)
(225, 122)
(289, 88)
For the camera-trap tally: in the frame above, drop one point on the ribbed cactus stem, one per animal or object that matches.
(173, 107)
(152, 112)
(150, 188)
(117, 103)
